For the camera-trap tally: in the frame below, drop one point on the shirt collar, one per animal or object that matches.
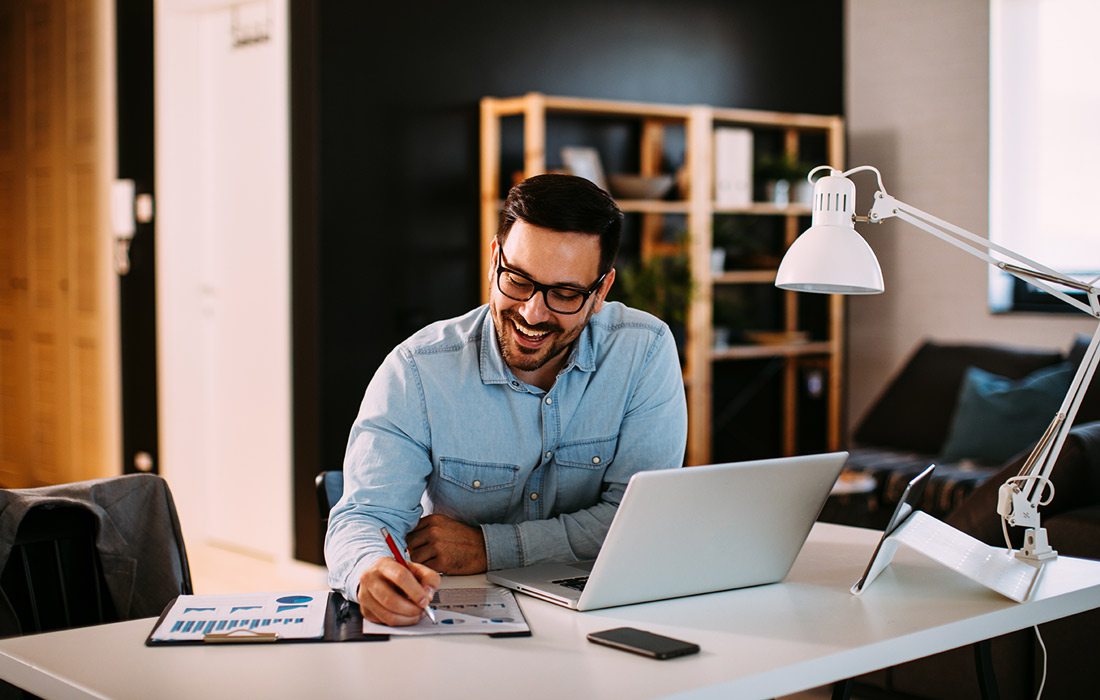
(495, 371)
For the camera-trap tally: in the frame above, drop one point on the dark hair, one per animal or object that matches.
(565, 203)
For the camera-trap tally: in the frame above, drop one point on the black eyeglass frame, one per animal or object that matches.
(537, 287)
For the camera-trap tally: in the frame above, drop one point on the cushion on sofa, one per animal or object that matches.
(996, 417)
(914, 412)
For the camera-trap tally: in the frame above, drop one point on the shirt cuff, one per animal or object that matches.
(351, 583)
(502, 546)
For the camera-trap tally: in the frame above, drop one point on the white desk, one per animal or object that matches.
(772, 640)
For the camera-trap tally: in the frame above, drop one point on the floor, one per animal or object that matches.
(221, 569)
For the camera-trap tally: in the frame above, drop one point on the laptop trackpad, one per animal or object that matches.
(583, 565)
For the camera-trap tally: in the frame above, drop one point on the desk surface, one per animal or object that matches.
(761, 642)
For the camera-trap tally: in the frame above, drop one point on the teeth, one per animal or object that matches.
(529, 334)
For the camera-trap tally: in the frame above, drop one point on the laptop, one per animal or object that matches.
(681, 532)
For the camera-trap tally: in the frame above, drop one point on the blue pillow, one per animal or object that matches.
(996, 417)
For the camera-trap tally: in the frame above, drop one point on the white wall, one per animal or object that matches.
(223, 274)
(917, 107)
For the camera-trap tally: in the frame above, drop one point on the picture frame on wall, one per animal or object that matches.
(584, 161)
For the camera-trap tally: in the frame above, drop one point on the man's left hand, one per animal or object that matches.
(448, 546)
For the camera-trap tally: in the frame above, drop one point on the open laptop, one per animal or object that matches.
(681, 532)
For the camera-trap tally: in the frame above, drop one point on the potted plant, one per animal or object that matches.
(663, 286)
(783, 178)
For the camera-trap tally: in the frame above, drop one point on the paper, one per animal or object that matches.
(288, 615)
(490, 610)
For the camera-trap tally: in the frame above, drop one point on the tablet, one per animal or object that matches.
(908, 502)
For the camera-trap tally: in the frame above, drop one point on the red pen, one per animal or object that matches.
(401, 560)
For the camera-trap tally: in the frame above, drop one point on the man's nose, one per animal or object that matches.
(534, 310)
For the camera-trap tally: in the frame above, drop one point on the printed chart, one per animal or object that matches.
(294, 615)
(490, 610)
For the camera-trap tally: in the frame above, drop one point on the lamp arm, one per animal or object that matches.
(1030, 484)
(1020, 496)
(1035, 273)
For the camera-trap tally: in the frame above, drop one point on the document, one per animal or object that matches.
(293, 615)
(491, 610)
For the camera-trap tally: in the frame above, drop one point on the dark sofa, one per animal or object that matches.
(907, 427)
(905, 430)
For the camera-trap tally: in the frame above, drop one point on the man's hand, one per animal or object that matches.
(392, 595)
(448, 546)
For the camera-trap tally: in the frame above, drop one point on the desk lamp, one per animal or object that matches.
(832, 258)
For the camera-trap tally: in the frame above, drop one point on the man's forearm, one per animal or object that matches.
(567, 537)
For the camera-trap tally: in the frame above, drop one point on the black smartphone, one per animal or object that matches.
(638, 641)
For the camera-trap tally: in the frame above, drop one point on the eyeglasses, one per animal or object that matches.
(560, 299)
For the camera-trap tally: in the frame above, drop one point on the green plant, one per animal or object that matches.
(663, 286)
(781, 167)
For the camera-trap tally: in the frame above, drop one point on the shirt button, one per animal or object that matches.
(534, 496)
(595, 460)
(477, 484)
(549, 400)
(549, 455)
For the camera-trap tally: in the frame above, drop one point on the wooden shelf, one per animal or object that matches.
(744, 277)
(750, 352)
(654, 206)
(766, 209)
(698, 207)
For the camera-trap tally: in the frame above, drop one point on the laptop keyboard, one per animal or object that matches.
(576, 583)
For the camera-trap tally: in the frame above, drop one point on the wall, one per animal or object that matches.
(917, 104)
(397, 222)
(223, 274)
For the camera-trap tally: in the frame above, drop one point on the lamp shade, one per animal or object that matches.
(830, 257)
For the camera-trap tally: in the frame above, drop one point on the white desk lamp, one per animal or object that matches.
(831, 258)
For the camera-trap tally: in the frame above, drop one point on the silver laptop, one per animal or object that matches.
(681, 532)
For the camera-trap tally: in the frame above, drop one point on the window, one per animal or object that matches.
(1044, 116)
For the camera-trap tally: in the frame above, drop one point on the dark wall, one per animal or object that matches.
(389, 153)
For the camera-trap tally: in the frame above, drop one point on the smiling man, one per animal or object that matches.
(506, 436)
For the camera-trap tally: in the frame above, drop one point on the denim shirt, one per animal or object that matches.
(446, 427)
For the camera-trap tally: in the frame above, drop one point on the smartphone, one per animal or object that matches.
(638, 641)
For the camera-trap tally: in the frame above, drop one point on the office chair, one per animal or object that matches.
(70, 552)
(330, 487)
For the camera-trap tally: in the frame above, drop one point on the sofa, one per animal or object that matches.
(929, 413)
(918, 419)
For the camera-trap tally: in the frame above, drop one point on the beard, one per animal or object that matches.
(527, 359)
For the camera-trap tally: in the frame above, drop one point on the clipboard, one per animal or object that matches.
(343, 623)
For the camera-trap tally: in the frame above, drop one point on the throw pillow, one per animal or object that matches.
(996, 417)
(913, 414)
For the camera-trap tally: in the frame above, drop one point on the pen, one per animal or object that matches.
(401, 560)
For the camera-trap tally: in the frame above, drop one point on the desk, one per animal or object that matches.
(760, 642)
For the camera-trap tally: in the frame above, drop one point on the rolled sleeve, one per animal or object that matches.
(386, 467)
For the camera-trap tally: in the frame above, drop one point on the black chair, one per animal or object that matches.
(54, 579)
(62, 572)
(330, 487)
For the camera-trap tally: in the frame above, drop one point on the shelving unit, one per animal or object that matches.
(698, 206)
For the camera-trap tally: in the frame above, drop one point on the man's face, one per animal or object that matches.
(529, 333)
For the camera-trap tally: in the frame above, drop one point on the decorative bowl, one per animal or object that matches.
(628, 186)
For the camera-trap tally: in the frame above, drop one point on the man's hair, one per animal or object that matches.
(565, 203)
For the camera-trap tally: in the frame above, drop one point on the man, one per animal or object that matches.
(515, 427)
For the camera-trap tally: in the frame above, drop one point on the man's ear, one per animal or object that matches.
(493, 246)
(601, 293)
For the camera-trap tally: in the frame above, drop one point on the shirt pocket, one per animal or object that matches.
(580, 469)
(478, 491)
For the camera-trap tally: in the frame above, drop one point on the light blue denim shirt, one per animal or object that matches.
(446, 427)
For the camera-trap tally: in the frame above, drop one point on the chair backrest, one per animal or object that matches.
(89, 552)
(54, 579)
(330, 487)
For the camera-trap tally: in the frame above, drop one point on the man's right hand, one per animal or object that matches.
(390, 594)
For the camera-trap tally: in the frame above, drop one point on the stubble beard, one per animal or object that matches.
(531, 359)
